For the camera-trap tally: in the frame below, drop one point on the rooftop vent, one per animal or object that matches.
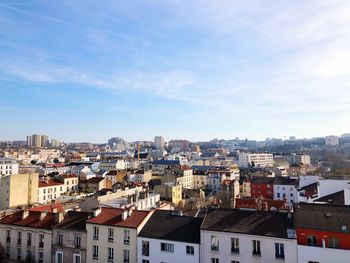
(328, 214)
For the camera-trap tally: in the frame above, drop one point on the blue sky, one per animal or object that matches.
(91, 70)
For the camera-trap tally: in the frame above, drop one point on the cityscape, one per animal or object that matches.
(174, 131)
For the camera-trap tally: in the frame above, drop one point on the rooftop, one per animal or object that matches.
(49, 183)
(261, 223)
(323, 217)
(75, 220)
(113, 217)
(262, 180)
(169, 225)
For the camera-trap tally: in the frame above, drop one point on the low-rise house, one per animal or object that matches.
(323, 233)
(233, 235)
(69, 238)
(93, 184)
(169, 237)
(169, 192)
(262, 186)
(179, 176)
(111, 235)
(8, 166)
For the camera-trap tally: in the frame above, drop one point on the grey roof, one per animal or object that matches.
(323, 217)
(168, 225)
(166, 162)
(262, 180)
(285, 180)
(334, 199)
(261, 223)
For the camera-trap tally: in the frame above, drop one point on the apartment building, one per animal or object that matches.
(112, 165)
(169, 237)
(69, 238)
(261, 186)
(169, 191)
(49, 190)
(18, 190)
(179, 176)
(112, 234)
(286, 188)
(323, 233)
(256, 159)
(27, 234)
(70, 181)
(8, 166)
(233, 235)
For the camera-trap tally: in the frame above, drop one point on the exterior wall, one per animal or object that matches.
(330, 186)
(70, 184)
(169, 192)
(259, 159)
(68, 247)
(49, 193)
(322, 237)
(288, 193)
(262, 189)
(10, 196)
(307, 254)
(156, 255)
(267, 246)
(246, 189)
(117, 244)
(34, 247)
(8, 166)
(199, 181)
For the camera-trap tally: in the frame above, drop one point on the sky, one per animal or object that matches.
(198, 70)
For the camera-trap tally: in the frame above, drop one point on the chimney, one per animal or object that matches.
(59, 216)
(97, 211)
(25, 213)
(43, 214)
(125, 214)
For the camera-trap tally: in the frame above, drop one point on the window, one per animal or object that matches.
(189, 250)
(214, 260)
(8, 251)
(41, 241)
(59, 257)
(333, 242)
(29, 239)
(145, 261)
(19, 238)
(256, 248)
(59, 238)
(313, 262)
(278, 195)
(126, 256)
(279, 251)
(214, 243)
(41, 257)
(19, 256)
(235, 245)
(234, 261)
(311, 240)
(110, 234)
(145, 248)
(110, 254)
(77, 241)
(166, 247)
(29, 255)
(76, 258)
(95, 252)
(126, 237)
(96, 233)
(8, 236)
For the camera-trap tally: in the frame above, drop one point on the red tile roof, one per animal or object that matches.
(69, 176)
(47, 208)
(31, 220)
(49, 183)
(113, 217)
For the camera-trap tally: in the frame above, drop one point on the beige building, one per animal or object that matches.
(179, 176)
(246, 189)
(111, 235)
(70, 182)
(169, 191)
(18, 189)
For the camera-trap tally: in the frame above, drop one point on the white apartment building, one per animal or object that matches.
(332, 140)
(169, 237)
(159, 142)
(49, 190)
(259, 159)
(286, 188)
(112, 235)
(232, 235)
(8, 166)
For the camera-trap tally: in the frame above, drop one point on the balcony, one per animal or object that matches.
(257, 253)
(110, 239)
(126, 241)
(19, 241)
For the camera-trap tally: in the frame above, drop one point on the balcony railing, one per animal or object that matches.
(8, 239)
(41, 244)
